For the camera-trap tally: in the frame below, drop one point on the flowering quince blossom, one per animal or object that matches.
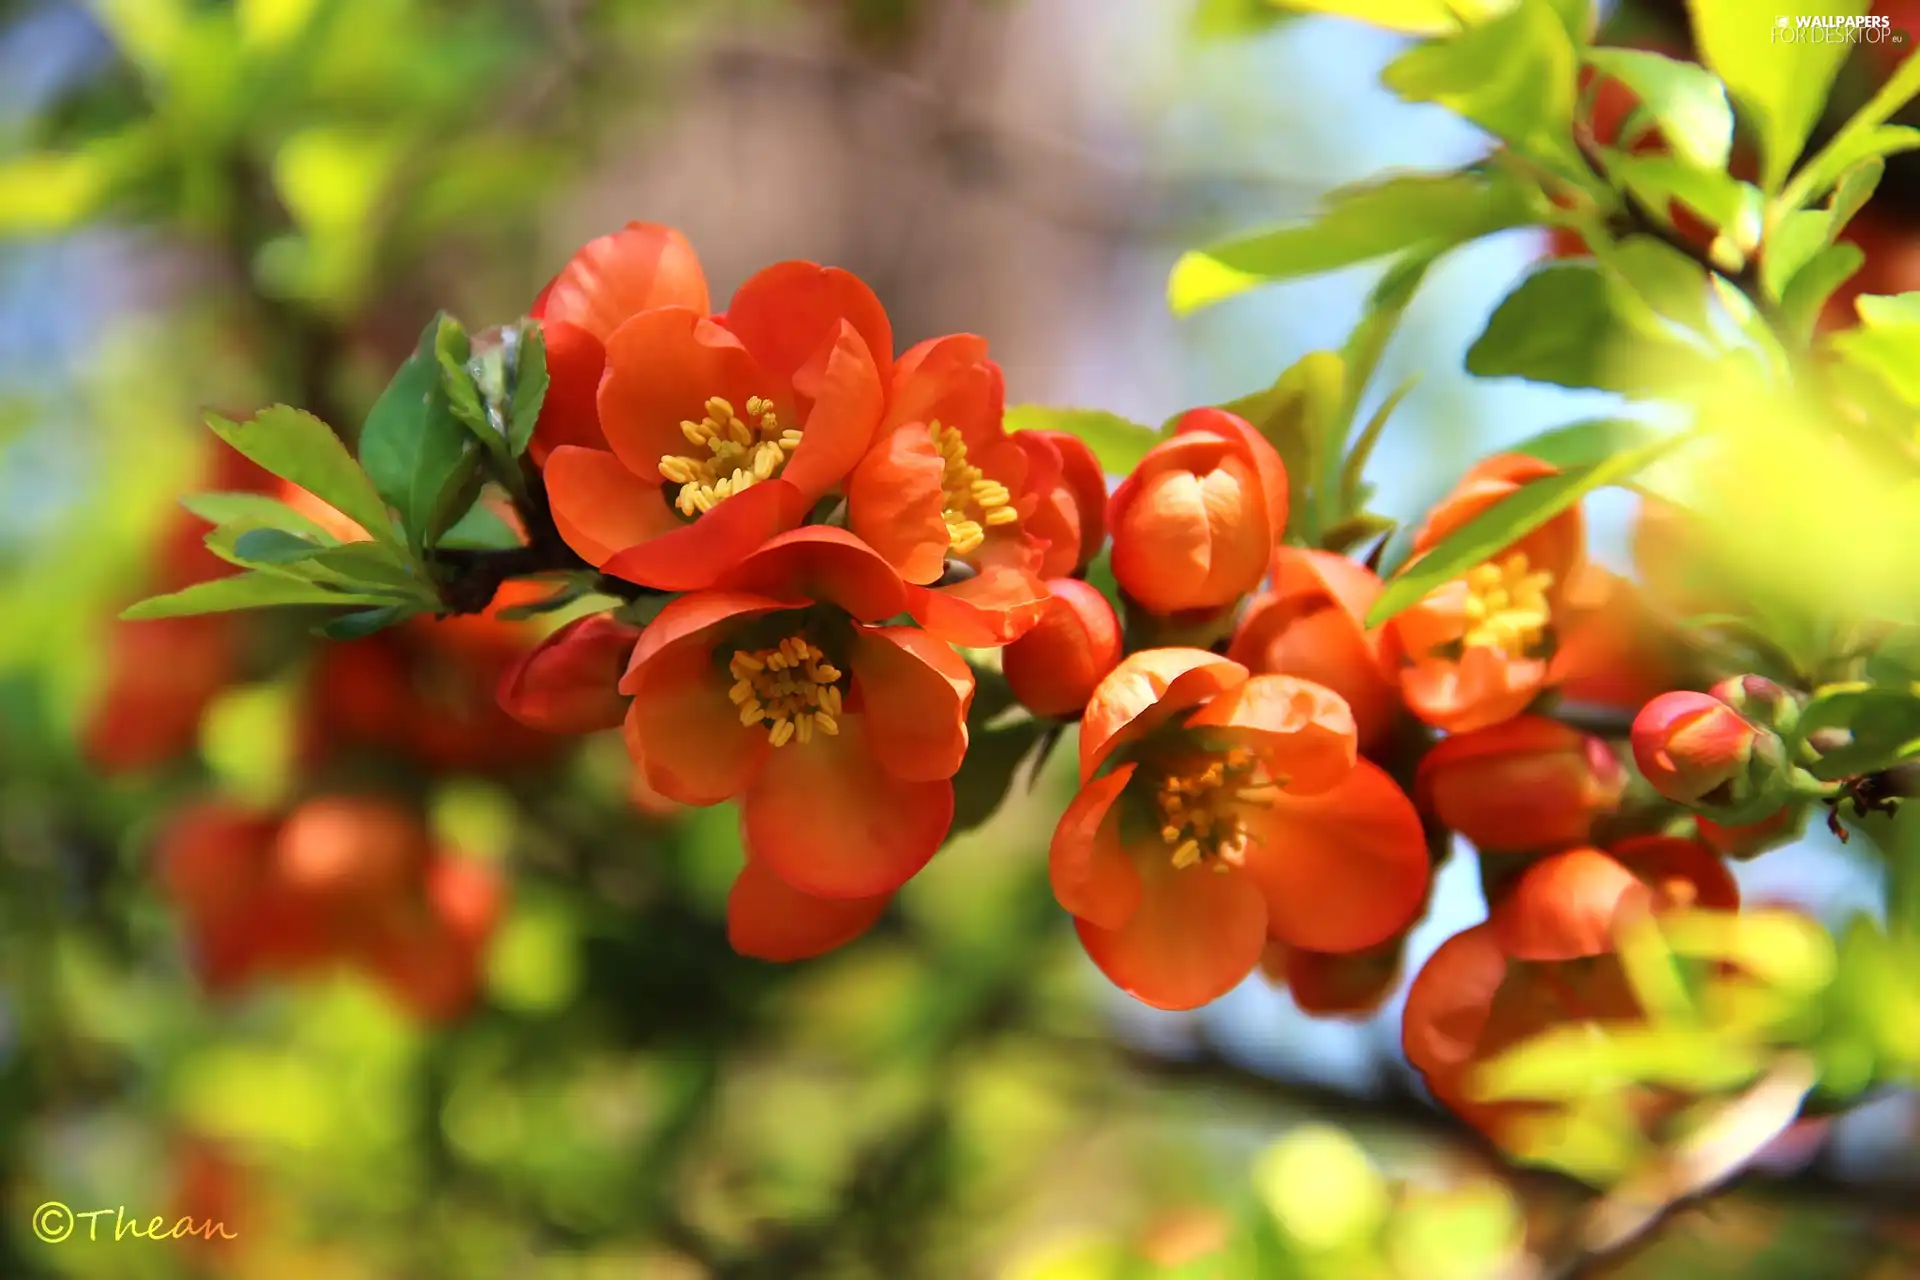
(1219, 809)
(1478, 649)
(951, 501)
(781, 686)
(1523, 785)
(714, 432)
(1194, 526)
(1545, 956)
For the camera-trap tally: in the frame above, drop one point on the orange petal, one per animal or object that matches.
(600, 507)
(1479, 690)
(952, 381)
(821, 562)
(641, 266)
(894, 503)
(692, 557)
(1197, 934)
(1566, 907)
(1341, 870)
(788, 311)
(569, 683)
(769, 919)
(695, 618)
(995, 608)
(1145, 691)
(826, 818)
(684, 733)
(1093, 878)
(913, 691)
(1682, 872)
(662, 368)
(1449, 1004)
(569, 413)
(1302, 732)
(1268, 464)
(848, 397)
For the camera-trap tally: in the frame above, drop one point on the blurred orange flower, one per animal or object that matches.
(1529, 784)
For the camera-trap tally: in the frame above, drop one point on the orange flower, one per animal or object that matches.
(1475, 651)
(949, 499)
(215, 862)
(1310, 623)
(1613, 648)
(1523, 785)
(610, 280)
(1219, 809)
(1350, 986)
(427, 690)
(1054, 668)
(769, 919)
(780, 686)
(428, 950)
(723, 430)
(1195, 526)
(1545, 957)
(1072, 512)
(570, 682)
(348, 851)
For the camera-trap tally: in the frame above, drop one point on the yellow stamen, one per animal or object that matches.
(739, 453)
(1201, 808)
(791, 688)
(1507, 607)
(971, 503)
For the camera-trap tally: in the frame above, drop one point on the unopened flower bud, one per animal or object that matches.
(570, 684)
(1522, 785)
(1054, 668)
(1693, 747)
(1757, 698)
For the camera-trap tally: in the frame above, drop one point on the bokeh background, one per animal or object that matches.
(224, 205)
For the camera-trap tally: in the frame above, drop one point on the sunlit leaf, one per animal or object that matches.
(297, 446)
(1573, 325)
(1116, 442)
(1687, 102)
(257, 589)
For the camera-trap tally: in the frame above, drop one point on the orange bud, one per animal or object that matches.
(569, 684)
(350, 849)
(1072, 489)
(1194, 527)
(1054, 668)
(1311, 624)
(1327, 985)
(1522, 785)
(1691, 744)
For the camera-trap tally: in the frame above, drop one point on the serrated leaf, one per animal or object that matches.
(417, 452)
(297, 446)
(254, 510)
(363, 623)
(1513, 76)
(1572, 325)
(481, 529)
(256, 589)
(1687, 102)
(1505, 522)
(273, 546)
(529, 385)
(1356, 224)
(1779, 85)
(1118, 443)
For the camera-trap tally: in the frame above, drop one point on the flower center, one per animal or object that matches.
(1507, 606)
(740, 453)
(1198, 808)
(972, 503)
(791, 688)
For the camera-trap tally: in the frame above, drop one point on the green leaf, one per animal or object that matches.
(529, 384)
(1484, 536)
(363, 623)
(1410, 17)
(1881, 311)
(254, 510)
(1672, 285)
(1354, 471)
(1118, 443)
(1576, 1060)
(1795, 241)
(481, 529)
(451, 349)
(1884, 723)
(1780, 85)
(422, 460)
(1570, 324)
(1686, 101)
(1379, 320)
(1233, 19)
(256, 589)
(1357, 224)
(1582, 444)
(1513, 76)
(1888, 352)
(297, 446)
(1723, 201)
(1806, 297)
(273, 546)
(1869, 144)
